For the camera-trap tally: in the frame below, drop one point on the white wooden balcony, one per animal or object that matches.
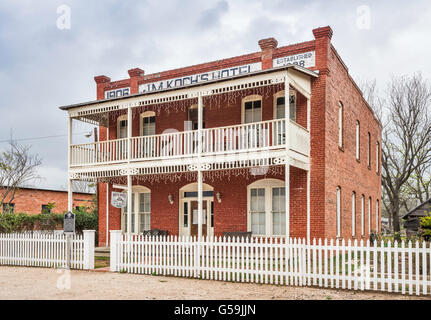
(237, 139)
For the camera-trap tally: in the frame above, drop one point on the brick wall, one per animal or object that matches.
(30, 201)
(342, 168)
(330, 166)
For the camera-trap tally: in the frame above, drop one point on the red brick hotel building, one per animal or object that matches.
(213, 139)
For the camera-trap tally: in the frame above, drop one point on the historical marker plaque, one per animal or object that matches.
(69, 222)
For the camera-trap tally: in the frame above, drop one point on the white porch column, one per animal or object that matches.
(129, 204)
(287, 160)
(107, 198)
(107, 214)
(308, 205)
(69, 185)
(308, 173)
(200, 116)
(129, 177)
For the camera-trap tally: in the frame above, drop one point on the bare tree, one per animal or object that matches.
(83, 186)
(17, 169)
(406, 139)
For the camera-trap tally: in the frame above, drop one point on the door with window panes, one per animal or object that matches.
(253, 114)
(122, 134)
(280, 114)
(267, 211)
(149, 129)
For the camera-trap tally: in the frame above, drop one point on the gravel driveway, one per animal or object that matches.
(41, 283)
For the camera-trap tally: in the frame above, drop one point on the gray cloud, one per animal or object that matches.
(42, 67)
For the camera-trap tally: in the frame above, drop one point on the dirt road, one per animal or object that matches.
(41, 283)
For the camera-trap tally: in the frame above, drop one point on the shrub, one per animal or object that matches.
(426, 227)
(85, 220)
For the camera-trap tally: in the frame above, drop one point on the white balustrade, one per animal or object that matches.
(258, 136)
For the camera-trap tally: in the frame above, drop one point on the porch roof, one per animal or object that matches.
(300, 69)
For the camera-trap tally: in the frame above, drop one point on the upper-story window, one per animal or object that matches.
(377, 157)
(252, 109)
(340, 124)
(148, 123)
(193, 117)
(280, 104)
(358, 132)
(122, 127)
(369, 150)
(338, 213)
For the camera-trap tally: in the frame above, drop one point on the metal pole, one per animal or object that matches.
(200, 116)
(68, 249)
(69, 186)
(129, 177)
(287, 163)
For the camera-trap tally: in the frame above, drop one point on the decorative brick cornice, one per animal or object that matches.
(268, 43)
(136, 72)
(102, 79)
(323, 32)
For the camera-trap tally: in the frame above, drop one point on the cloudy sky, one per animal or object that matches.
(43, 67)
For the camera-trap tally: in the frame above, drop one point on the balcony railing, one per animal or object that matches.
(258, 136)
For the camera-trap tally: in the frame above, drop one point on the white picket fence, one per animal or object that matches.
(390, 267)
(44, 249)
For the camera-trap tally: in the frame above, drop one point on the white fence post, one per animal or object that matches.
(115, 250)
(89, 237)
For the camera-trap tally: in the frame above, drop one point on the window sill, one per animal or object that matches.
(369, 167)
(358, 160)
(341, 149)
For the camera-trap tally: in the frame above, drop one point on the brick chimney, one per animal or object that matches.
(101, 81)
(135, 75)
(322, 37)
(267, 46)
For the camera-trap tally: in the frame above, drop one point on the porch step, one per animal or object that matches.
(102, 252)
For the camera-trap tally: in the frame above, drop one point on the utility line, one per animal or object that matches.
(40, 138)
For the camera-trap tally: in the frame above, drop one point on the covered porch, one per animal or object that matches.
(256, 145)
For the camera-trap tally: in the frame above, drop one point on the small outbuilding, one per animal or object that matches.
(412, 218)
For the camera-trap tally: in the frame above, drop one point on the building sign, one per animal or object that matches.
(118, 199)
(306, 60)
(199, 78)
(117, 93)
(69, 222)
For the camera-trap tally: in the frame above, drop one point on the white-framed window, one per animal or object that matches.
(122, 127)
(362, 215)
(266, 203)
(377, 216)
(141, 211)
(353, 214)
(377, 157)
(257, 211)
(338, 213)
(144, 211)
(340, 124)
(369, 215)
(279, 103)
(358, 132)
(252, 109)
(148, 123)
(369, 150)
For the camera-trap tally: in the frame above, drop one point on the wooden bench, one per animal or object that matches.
(236, 234)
